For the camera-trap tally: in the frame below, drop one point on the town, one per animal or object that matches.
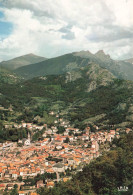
(56, 155)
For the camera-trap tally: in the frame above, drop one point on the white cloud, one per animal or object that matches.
(52, 28)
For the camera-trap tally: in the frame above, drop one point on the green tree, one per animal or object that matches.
(14, 190)
(67, 140)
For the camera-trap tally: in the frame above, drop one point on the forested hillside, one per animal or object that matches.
(91, 95)
(7, 76)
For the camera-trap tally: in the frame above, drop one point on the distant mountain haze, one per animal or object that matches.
(21, 61)
(129, 60)
(76, 60)
(53, 66)
(30, 65)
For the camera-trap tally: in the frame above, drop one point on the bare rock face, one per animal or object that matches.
(92, 86)
(84, 54)
(121, 106)
(98, 77)
(102, 55)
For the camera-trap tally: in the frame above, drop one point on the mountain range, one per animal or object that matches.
(30, 65)
(87, 89)
(129, 60)
(21, 61)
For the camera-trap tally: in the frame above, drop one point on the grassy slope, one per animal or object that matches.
(21, 61)
(54, 66)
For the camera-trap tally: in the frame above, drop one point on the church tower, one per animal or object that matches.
(29, 136)
(27, 141)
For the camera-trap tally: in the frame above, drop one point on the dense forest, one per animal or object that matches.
(102, 176)
(90, 96)
(36, 96)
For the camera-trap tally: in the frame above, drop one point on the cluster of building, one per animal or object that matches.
(54, 153)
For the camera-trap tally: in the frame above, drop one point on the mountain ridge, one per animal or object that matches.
(30, 65)
(20, 61)
(75, 60)
(88, 95)
(130, 60)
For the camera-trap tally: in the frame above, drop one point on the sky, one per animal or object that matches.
(52, 28)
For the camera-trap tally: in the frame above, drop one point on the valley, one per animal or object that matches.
(58, 116)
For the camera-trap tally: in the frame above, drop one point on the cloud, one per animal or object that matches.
(67, 33)
(110, 33)
(54, 28)
(69, 36)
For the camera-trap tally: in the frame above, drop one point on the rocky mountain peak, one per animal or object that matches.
(83, 53)
(102, 54)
